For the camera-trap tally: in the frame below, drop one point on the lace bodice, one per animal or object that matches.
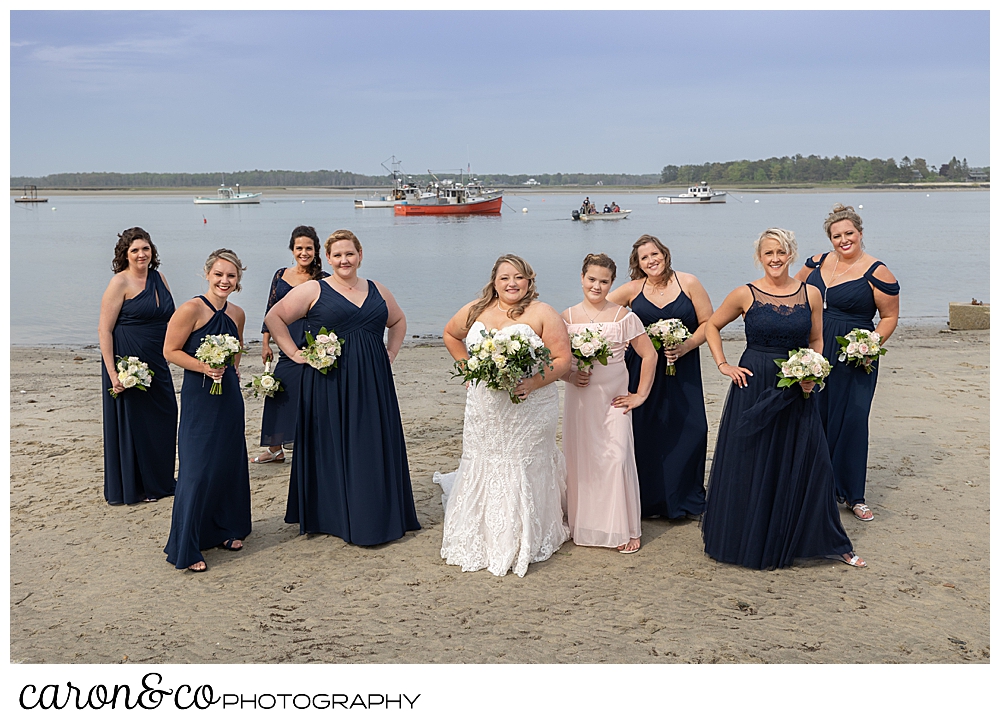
(779, 322)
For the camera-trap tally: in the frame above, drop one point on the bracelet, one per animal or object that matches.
(719, 366)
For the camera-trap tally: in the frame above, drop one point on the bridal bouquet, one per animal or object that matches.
(590, 346)
(217, 351)
(132, 372)
(323, 350)
(502, 358)
(266, 384)
(861, 348)
(667, 333)
(803, 365)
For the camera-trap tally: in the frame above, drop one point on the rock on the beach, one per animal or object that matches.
(968, 316)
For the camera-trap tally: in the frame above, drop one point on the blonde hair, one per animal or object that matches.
(230, 256)
(341, 235)
(635, 271)
(842, 213)
(785, 239)
(489, 293)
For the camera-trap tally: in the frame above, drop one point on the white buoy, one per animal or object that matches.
(524, 210)
(928, 195)
(756, 201)
(53, 208)
(861, 206)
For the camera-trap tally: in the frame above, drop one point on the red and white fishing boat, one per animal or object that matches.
(450, 198)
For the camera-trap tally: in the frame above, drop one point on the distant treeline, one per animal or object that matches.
(773, 171)
(814, 169)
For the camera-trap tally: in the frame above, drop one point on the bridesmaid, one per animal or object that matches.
(854, 285)
(770, 494)
(140, 428)
(212, 502)
(277, 428)
(350, 477)
(671, 429)
(602, 486)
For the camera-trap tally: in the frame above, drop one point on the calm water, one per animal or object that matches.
(937, 245)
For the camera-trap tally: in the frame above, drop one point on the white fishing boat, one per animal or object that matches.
(402, 191)
(604, 216)
(226, 195)
(700, 194)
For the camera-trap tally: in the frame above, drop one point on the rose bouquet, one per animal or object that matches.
(803, 365)
(266, 384)
(323, 350)
(860, 348)
(667, 333)
(132, 372)
(590, 346)
(502, 358)
(217, 351)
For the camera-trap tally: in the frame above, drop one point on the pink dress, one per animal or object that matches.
(602, 485)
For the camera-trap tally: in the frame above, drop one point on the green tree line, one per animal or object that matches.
(815, 169)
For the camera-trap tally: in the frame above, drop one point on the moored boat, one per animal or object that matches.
(700, 194)
(402, 191)
(30, 196)
(225, 195)
(603, 216)
(450, 198)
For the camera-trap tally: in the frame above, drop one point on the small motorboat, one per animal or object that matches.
(225, 195)
(603, 216)
(701, 194)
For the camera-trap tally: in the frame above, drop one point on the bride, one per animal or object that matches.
(504, 506)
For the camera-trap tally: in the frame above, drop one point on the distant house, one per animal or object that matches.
(916, 174)
(978, 174)
(531, 182)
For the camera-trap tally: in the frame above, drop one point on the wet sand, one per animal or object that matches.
(89, 583)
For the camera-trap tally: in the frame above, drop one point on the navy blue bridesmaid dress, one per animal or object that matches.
(277, 425)
(350, 477)
(770, 492)
(670, 428)
(212, 500)
(847, 400)
(140, 428)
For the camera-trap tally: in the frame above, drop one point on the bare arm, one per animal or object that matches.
(887, 305)
(395, 323)
(645, 349)
(623, 295)
(240, 318)
(183, 322)
(805, 271)
(738, 301)
(554, 335)
(816, 304)
(295, 305)
(703, 308)
(455, 332)
(111, 305)
(265, 351)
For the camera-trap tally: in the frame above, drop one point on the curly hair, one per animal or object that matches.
(120, 261)
(308, 232)
(230, 256)
(634, 270)
(601, 260)
(842, 213)
(785, 239)
(489, 293)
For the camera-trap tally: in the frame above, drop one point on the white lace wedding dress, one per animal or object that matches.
(504, 506)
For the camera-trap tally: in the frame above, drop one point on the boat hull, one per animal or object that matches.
(486, 206)
(374, 204)
(30, 201)
(713, 199)
(251, 200)
(609, 216)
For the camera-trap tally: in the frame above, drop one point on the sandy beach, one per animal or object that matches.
(89, 582)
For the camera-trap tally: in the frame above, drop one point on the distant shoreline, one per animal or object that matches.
(284, 191)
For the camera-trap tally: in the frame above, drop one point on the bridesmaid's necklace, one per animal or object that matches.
(836, 276)
(351, 288)
(599, 312)
(662, 290)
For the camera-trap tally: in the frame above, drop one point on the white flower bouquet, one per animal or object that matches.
(266, 384)
(803, 365)
(861, 348)
(502, 358)
(217, 351)
(323, 350)
(132, 373)
(667, 333)
(590, 346)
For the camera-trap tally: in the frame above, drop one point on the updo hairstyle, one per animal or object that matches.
(601, 260)
(230, 256)
(785, 239)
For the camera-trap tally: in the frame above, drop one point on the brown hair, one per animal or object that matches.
(230, 256)
(308, 232)
(842, 213)
(120, 261)
(341, 235)
(635, 272)
(601, 260)
(489, 293)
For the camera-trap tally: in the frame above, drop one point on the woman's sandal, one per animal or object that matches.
(626, 551)
(272, 457)
(230, 545)
(862, 512)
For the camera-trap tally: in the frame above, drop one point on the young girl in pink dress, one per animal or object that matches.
(602, 486)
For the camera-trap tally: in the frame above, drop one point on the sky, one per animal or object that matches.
(505, 92)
